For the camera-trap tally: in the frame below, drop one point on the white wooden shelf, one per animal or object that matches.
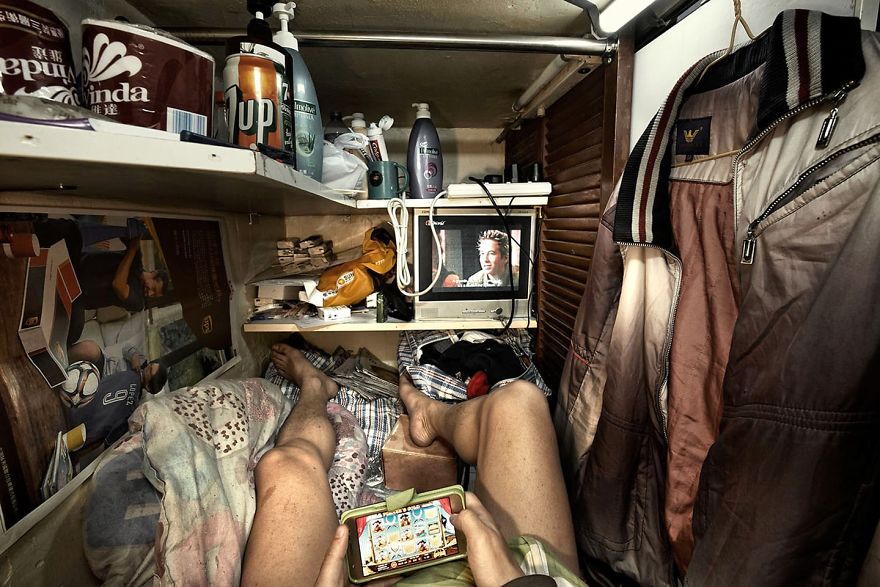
(502, 201)
(157, 171)
(367, 323)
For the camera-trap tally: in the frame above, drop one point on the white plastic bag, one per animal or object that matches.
(342, 170)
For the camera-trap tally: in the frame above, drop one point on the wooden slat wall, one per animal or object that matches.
(583, 142)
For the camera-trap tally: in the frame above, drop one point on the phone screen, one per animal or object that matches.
(406, 537)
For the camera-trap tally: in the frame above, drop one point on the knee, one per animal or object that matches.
(86, 350)
(518, 400)
(295, 460)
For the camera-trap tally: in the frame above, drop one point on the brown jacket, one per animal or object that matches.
(683, 348)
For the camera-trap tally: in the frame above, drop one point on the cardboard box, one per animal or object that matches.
(46, 312)
(407, 465)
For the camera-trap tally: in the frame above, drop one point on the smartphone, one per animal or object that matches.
(383, 542)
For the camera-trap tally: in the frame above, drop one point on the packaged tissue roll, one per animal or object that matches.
(35, 58)
(143, 76)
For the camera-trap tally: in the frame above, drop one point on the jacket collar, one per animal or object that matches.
(807, 55)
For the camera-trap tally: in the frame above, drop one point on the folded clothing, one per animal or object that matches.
(418, 352)
(464, 358)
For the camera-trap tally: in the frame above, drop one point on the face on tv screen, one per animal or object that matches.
(479, 256)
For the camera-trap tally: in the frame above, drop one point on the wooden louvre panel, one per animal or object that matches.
(582, 142)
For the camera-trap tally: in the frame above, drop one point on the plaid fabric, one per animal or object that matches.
(376, 417)
(435, 383)
(531, 556)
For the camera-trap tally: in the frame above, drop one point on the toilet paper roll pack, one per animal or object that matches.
(143, 76)
(35, 57)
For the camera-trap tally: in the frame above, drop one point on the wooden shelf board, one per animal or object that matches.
(156, 171)
(502, 201)
(367, 323)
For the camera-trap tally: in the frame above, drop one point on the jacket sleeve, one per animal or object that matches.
(583, 379)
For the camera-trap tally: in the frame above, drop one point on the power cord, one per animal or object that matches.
(509, 259)
(400, 221)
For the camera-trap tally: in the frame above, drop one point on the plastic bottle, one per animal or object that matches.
(256, 83)
(377, 143)
(221, 130)
(357, 122)
(334, 127)
(424, 159)
(306, 112)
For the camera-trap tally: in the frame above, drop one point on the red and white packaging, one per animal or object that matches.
(35, 58)
(142, 76)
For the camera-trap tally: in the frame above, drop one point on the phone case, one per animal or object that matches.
(398, 501)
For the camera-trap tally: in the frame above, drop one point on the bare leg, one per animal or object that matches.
(86, 350)
(296, 518)
(509, 436)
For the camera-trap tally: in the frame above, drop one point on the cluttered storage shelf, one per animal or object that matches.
(154, 167)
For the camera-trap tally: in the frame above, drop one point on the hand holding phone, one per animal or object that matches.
(414, 533)
(488, 556)
(333, 572)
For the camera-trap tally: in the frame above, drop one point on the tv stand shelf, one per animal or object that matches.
(367, 323)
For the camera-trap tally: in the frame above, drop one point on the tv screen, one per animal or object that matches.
(481, 262)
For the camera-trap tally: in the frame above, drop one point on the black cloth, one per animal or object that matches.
(106, 415)
(96, 272)
(464, 358)
(532, 581)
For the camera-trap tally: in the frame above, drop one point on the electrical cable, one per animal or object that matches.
(482, 185)
(400, 221)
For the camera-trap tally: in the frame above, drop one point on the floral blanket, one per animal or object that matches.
(200, 446)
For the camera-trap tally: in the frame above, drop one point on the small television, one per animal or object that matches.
(483, 269)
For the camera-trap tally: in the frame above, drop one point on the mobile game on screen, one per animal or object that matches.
(406, 537)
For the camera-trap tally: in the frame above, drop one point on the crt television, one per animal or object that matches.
(475, 281)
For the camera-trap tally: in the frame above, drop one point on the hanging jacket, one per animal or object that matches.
(718, 405)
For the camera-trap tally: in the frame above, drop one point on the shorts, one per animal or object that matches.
(528, 553)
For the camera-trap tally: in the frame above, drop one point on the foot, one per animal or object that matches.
(423, 411)
(295, 367)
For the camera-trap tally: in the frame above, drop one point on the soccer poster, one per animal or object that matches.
(104, 311)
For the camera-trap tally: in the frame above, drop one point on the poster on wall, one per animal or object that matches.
(101, 313)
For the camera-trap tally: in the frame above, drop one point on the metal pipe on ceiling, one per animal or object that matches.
(544, 97)
(497, 43)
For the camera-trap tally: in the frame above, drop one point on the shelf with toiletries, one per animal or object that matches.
(153, 167)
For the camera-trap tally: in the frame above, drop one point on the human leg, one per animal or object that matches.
(295, 519)
(87, 350)
(510, 437)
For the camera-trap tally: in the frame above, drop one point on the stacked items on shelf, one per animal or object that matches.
(312, 251)
(292, 294)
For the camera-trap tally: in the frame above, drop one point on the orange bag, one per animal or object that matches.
(351, 282)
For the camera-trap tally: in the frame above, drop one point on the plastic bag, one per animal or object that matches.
(352, 282)
(342, 170)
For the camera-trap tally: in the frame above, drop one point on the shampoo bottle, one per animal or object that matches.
(424, 160)
(256, 82)
(306, 112)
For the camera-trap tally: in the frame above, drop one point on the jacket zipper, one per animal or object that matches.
(667, 343)
(827, 130)
(825, 133)
(750, 244)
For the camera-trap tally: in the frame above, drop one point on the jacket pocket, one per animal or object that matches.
(610, 505)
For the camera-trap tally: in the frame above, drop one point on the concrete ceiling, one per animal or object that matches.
(465, 89)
